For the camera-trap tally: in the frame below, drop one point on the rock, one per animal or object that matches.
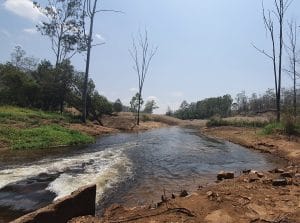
(210, 193)
(260, 175)
(279, 170)
(225, 175)
(267, 181)
(183, 193)
(287, 174)
(253, 178)
(279, 182)
(297, 175)
(96, 122)
(219, 216)
(79, 203)
(246, 171)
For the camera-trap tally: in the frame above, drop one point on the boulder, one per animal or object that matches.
(279, 182)
(79, 203)
(183, 193)
(225, 175)
(279, 170)
(287, 174)
(260, 174)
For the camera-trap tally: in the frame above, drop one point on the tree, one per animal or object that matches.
(64, 72)
(150, 106)
(169, 111)
(21, 61)
(118, 106)
(16, 87)
(136, 102)
(99, 106)
(88, 15)
(63, 26)
(281, 7)
(142, 55)
(291, 49)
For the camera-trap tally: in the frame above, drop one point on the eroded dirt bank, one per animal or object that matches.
(252, 197)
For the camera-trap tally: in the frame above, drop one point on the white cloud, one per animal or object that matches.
(133, 90)
(30, 30)
(23, 8)
(100, 37)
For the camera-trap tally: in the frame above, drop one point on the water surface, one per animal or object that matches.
(132, 169)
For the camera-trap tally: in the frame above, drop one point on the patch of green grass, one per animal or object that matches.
(272, 128)
(46, 136)
(236, 123)
(10, 113)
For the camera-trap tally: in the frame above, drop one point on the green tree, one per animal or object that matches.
(118, 106)
(150, 106)
(136, 102)
(21, 61)
(16, 87)
(99, 106)
(63, 26)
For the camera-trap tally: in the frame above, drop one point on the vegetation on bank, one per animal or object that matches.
(288, 125)
(22, 128)
(215, 122)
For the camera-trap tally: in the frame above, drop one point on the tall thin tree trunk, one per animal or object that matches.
(139, 108)
(87, 68)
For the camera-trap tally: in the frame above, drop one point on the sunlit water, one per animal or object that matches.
(127, 168)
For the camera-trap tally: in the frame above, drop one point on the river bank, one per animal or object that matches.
(251, 197)
(26, 129)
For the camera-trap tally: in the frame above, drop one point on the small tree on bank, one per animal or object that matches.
(141, 54)
(118, 106)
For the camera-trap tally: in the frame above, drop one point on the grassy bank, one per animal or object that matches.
(22, 128)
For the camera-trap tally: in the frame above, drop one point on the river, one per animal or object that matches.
(128, 168)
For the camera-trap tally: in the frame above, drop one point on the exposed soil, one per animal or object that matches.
(251, 197)
(121, 122)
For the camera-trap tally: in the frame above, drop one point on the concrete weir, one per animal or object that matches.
(79, 203)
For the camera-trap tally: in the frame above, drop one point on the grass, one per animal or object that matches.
(237, 123)
(22, 128)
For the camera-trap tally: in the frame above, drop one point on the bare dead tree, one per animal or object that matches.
(141, 54)
(291, 48)
(278, 14)
(88, 16)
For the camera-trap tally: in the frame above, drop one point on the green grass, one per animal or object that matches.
(236, 123)
(282, 128)
(16, 114)
(22, 128)
(43, 137)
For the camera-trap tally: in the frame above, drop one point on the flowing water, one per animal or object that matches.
(133, 169)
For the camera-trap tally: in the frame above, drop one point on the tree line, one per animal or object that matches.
(242, 104)
(27, 83)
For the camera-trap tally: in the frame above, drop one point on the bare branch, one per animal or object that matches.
(263, 52)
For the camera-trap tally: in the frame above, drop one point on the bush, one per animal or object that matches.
(272, 128)
(289, 124)
(146, 118)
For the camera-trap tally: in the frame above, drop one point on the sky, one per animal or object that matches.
(204, 47)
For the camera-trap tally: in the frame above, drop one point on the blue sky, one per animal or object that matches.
(204, 47)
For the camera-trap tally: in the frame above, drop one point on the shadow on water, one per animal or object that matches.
(131, 169)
